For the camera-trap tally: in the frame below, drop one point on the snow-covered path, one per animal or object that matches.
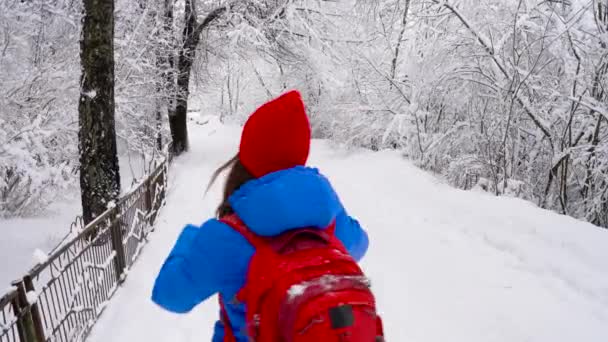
(446, 265)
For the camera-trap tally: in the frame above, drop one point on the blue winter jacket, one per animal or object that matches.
(213, 258)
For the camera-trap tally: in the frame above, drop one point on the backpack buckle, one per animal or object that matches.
(341, 317)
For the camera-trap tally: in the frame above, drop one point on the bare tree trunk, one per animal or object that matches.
(159, 127)
(191, 37)
(178, 121)
(397, 48)
(99, 173)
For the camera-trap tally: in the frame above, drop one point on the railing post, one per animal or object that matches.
(29, 324)
(34, 309)
(120, 261)
(165, 181)
(20, 326)
(170, 152)
(148, 199)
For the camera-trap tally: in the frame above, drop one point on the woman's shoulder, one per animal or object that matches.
(215, 228)
(208, 237)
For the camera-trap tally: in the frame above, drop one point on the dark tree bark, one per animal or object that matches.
(406, 11)
(178, 120)
(191, 37)
(99, 174)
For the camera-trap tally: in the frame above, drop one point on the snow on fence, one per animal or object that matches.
(61, 298)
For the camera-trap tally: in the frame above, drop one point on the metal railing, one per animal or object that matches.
(61, 298)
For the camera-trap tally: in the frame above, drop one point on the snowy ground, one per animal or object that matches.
(446, 265)
(21, 236)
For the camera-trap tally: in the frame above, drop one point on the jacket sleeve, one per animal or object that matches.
(203, 261)
(354, 238)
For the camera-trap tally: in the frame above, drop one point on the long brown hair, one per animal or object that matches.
(237, 176)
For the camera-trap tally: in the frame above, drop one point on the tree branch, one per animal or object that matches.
(194, 38)
(487, 47)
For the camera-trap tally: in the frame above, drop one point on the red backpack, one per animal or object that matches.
(303, 286)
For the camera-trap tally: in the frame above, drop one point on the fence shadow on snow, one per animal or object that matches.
(61, 298)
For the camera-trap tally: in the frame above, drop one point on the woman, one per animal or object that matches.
(271, 191)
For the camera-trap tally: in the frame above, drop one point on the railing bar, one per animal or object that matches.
(106, 252)
(100, 261)
(100, 276)
(127, 244)
(62, 290)
(44, 307)
(136, 231)
(46, 317)
(56, 335)
(81, 295)
(91, 293)
(104, 255)
(92, 260)
(106, 271)
(61, 305)
(57, 307)
(97, 261)
(100, 252)
(55, 298)
(5, 321)
(74, 293)
(86, 288)
(66, 299)
(61, 328)
(85, 300)
(85, 285)
(114, 272)
(108, 279)
(6, 334)
(78, 292)
(124, 220)
(62, 332)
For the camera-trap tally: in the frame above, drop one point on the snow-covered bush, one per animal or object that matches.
(38, 94)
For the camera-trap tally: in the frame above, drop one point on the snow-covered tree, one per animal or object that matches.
(38, 101)
(505, 96)
(39, 96)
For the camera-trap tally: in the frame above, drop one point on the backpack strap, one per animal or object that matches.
(257, 241)
(331, 230)
(237, 224)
